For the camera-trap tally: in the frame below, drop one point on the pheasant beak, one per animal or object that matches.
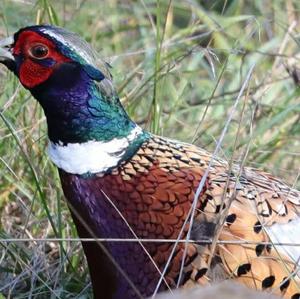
(6, 56)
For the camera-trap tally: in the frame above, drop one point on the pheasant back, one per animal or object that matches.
(151, 196)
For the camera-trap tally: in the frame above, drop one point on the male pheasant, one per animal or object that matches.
(121, 181)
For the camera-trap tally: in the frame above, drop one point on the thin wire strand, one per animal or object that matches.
(138, 240)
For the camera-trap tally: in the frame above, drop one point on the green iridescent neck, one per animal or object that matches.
(82, 110)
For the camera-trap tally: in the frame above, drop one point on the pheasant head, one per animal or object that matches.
(75, 90)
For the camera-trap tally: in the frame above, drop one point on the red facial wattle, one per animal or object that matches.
(33, 72)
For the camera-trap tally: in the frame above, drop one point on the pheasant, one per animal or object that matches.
(122, 182)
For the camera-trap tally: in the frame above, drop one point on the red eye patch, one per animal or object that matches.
(31, 71)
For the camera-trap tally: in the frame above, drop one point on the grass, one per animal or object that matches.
(178, 66)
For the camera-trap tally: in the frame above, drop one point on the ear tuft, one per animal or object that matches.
(94, 73)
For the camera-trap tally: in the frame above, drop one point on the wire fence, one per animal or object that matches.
(138, 240)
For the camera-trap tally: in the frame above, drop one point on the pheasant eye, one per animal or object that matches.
(39, 51)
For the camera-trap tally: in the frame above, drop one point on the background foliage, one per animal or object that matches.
(179, 67)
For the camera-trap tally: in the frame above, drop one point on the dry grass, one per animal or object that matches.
(179, 66)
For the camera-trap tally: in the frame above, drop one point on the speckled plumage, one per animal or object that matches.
(154, 191)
